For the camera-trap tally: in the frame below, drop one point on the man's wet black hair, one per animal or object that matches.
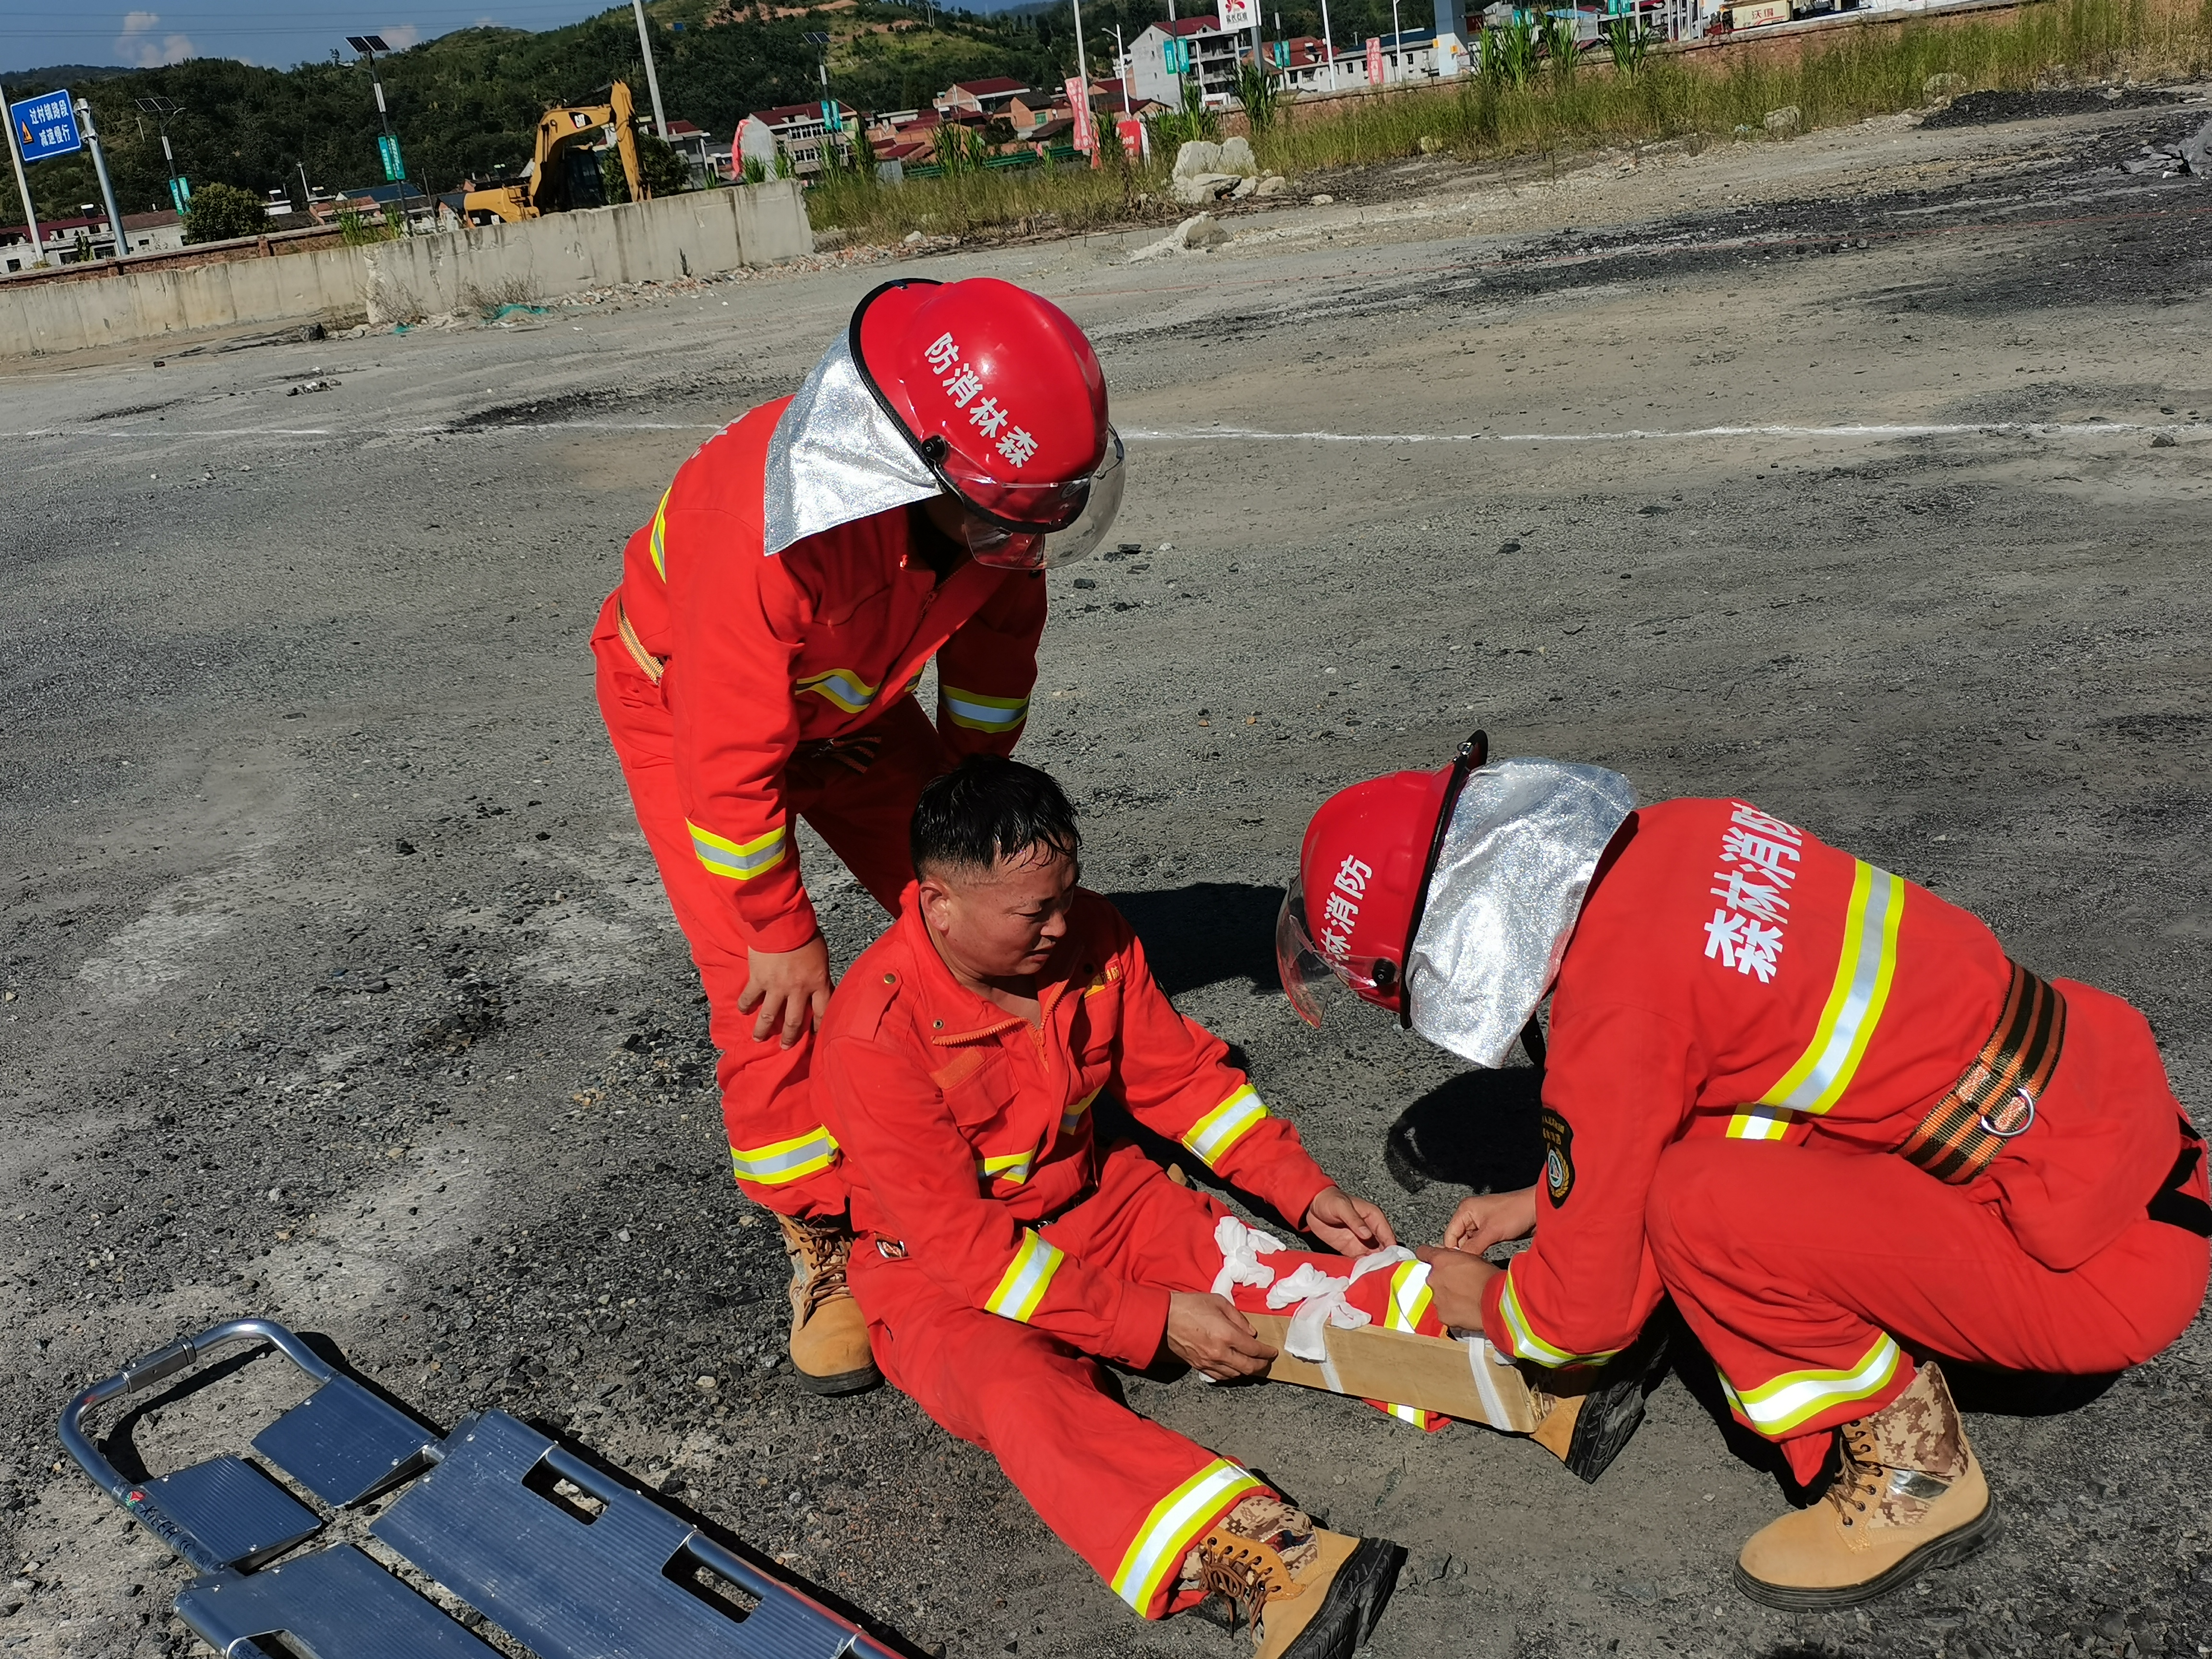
(988, 809)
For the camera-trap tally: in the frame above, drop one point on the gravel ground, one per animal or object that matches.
(1862, 475)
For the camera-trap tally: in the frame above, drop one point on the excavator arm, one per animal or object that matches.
(561, 132)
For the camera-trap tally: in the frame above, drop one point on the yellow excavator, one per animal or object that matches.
(564, 175)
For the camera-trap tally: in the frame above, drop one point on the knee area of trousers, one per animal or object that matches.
(1692, 1191)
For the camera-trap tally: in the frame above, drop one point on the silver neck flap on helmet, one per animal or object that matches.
(836, 457)
(1517, 862)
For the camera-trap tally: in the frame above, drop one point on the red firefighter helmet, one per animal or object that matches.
(1354, 904)
(1002, 396)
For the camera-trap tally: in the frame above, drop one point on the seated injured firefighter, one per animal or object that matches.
(1813, 1102)
(759, 661)
(1004, 1250)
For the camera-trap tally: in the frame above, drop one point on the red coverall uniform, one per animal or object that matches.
(1747, 1025)
(1000, 1245)
(768, 670)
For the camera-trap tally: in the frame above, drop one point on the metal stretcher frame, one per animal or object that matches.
(479, 1511)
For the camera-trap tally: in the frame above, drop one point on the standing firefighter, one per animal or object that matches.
(1813, 1102)
(758, 662)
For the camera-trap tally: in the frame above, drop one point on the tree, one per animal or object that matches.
(219, 212)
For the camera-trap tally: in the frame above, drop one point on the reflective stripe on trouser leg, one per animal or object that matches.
(1175, 1524)
(1782, 1405)
(782, 1161)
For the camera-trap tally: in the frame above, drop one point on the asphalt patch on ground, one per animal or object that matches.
(1977, 109)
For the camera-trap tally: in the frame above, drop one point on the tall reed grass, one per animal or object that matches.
(1835, 79)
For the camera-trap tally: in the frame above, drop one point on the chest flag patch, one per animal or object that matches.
(1558, 1156)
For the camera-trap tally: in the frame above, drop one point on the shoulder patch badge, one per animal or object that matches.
(1558, 1156)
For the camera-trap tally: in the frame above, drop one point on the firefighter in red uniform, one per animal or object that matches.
(1811, 1101)
(757, 663)
(1002, 1246)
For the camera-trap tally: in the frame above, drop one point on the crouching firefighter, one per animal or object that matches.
(1810, 1101)
(757, 663)
(1005, 1250)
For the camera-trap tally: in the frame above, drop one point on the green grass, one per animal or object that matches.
(1839, 77)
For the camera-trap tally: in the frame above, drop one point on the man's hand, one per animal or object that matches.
(1348, 1226)
(1489, 1218)
(791, 989)
(1456, 1282)
(1208, 1330)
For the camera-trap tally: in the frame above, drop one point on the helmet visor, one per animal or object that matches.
(1315, 977)
(1069, 519)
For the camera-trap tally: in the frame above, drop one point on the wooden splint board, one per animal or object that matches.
(1464, 1379)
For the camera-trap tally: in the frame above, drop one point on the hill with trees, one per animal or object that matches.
(466, 104)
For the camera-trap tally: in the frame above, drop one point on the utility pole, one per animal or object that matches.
(1083, 74)
(1397, 45)
(652, 79)
(164, 111)
(23, 184)
(1327, 46)
(99, 166)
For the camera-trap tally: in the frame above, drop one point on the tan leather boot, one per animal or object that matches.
(829, 1337)
(1909, 1497)
(1306, 1593)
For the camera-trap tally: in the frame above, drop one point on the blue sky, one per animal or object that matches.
(36, 32)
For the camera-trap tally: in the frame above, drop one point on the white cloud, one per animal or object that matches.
(143, 49)
(400, 36)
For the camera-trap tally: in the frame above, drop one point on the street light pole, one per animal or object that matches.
(99, 166)
(1083, 74)
(23, 184)
(652, 79)
(164, 111)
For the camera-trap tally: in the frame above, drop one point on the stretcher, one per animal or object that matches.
(569, 1561)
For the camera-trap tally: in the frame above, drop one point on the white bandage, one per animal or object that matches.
(1321, 1302)
(1241, 1248)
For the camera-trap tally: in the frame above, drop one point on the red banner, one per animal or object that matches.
(1375, 60)
(1078, 106)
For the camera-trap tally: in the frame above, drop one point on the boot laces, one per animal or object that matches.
(824, 1249)
(1861, 1476)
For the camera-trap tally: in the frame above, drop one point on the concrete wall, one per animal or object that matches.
(690, 235)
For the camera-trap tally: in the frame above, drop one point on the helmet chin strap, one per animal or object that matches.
(1472, 755)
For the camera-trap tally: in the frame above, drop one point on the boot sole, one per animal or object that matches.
(859, 1381)
(1357, 1596)
(1612, 1413)
(1948, 1551)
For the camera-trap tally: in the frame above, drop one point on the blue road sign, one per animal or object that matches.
(46, 126)
(180, 192)
(387, 147)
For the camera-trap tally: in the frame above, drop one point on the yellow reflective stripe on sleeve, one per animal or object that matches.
(842, 688)
(1212, 1135)
(738, 860)
(783, 1161)
(1071, 1119)
(1855, 1000)
(660, 533)
(981, 714)
(1780, 1408)
(1409, 1298)
(1527, 1344)
(1762, 1123)
(1013, 1167)
(1175, 1524)
(1026, 1278)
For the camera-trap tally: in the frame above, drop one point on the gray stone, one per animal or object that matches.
(1784, 122)
(1198, 189)
(1201, 231)
(1196, 157)
(1273, 185)
(2197, 151)
(1236, 157)
(1244, 187)
(1321, 201)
